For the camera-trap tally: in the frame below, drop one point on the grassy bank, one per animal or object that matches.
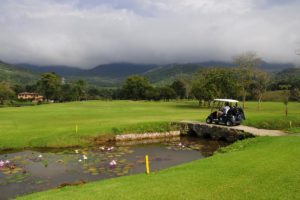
(259, 168)
(53, 125)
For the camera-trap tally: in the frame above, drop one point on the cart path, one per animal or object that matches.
(259, 132)
(248, 129)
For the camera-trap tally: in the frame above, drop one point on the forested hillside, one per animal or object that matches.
(15, 74)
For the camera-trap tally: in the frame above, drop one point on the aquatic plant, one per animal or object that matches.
(113, 163)
(103, 148)
(2, 163)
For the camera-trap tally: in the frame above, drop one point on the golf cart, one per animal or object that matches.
(228, 112)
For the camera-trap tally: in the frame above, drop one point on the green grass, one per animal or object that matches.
(272, 116)
(259, 168)
(53, 125)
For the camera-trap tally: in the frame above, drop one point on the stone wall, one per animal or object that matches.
(175, 139)
(142, 136)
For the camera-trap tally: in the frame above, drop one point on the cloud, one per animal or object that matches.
(86, 33)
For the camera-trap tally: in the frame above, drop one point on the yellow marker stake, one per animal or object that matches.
(147, 164)
(290, 124)
(76, 128)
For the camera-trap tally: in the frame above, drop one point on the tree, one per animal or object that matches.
(289, 76)
(246, 64)
(93, 93)
(153, 94)
(261, 80)
(31, 88)
(117, 94)
(18, 88)
(295, 94)
(179, 88)
(79, 88)
(166, 93)
(135, 87)
(49, 85)
(6, 92)
(214, 82)
(203, 89)
(67, 92)
(286, 93)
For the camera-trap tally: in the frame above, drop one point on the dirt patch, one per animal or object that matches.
(76, 183)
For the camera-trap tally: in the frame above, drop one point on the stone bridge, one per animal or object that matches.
(222, 132)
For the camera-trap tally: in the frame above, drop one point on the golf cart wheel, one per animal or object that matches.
(229, 123)
(208, 120)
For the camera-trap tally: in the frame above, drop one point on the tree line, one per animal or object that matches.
(246, 81)
(53, 88)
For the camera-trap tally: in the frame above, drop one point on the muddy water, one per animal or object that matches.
(30, 171)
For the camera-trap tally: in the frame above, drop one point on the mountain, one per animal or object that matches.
(114, 70)
(16, 74)
(275, 67)
(167, 74)
(111, 75)
(120, 70)
(107, 75)
(289, 75)
(58, 69)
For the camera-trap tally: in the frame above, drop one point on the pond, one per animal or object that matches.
(33, 170)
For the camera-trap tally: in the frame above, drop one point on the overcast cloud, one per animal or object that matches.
(86, 33)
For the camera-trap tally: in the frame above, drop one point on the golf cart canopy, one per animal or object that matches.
(227, 100)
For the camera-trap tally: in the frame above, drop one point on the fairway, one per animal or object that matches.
(54, 125)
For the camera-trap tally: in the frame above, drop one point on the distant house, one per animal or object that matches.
(30, 96)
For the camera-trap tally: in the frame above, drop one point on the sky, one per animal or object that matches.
(87, 33)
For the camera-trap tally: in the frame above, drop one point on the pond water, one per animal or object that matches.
(35, 170)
